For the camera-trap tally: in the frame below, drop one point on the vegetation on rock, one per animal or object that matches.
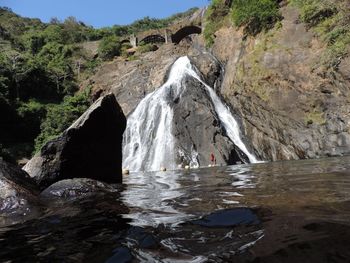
(214, 18)
(148, 23)
(147, 48)
(109, 47)
(60, 116)
(330, 21)
(255, 15)
(39, 65)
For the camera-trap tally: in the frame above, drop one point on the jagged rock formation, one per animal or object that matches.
(89, 148)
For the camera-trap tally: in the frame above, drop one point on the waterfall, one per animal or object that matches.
(148, 142)
(226, 118)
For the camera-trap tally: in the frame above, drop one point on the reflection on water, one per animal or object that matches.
(152, 196)
(297, 211)
(286, 197)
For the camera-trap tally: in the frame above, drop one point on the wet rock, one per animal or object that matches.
(76, 188)
(131, 81)
(198, 129)
(18, 194)
(229, 218)
(140, 238)
(121, 255)
(90, 148)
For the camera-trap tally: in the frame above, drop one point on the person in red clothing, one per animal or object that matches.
(212, 159)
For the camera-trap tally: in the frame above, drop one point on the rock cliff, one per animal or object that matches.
(287, 106)
(290, 108)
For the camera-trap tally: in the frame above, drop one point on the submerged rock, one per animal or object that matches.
(18, 194)
(229, 218)
(89, 148)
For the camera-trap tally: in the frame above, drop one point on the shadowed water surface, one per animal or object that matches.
(297, 211)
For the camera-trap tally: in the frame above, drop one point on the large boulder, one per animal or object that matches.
(18, 194)
(89, 148)
(76, 188)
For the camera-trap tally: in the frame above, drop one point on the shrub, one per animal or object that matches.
(32, 114)
(60, 116)
(255, 15)
(214, 18)
(147, 48)
(313, 12)
(6, 155)
(109, 47)
(332, 26)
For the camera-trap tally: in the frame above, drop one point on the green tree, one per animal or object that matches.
(53, 33)
(73, 30)
(57, 58)
(33, 41)
(32, 114)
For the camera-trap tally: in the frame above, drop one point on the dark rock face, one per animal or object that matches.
(90, 148)
(17, 194)
(197, 128)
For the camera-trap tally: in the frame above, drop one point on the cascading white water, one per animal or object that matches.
(148, 142)
(226, 118)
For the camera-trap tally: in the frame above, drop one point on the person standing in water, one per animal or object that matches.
(212, 159)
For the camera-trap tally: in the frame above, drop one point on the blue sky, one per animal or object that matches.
(99, 13)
